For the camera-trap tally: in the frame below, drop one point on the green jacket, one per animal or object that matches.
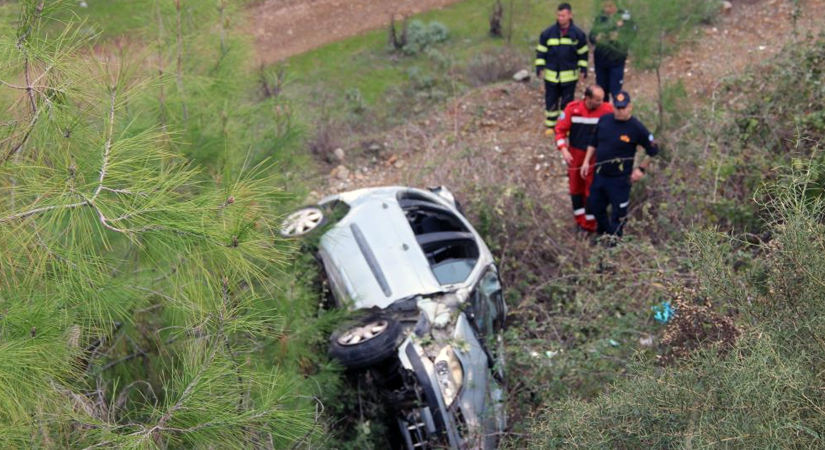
(612, 40)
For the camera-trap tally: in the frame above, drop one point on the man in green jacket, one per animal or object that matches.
(613, 31)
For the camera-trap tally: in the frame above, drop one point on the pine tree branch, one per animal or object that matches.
(40, 210)
(155, 431)
(107, 147)
(26, 136)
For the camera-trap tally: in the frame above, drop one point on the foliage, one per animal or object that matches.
(421, 36)
(663, 26)
(765, 391)
(143, 295)
(494, 66)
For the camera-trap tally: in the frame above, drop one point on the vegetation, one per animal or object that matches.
(740, 361)
(145, 296)
(146, 301)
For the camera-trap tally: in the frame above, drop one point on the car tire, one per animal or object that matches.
(357, 353)
(303, 222)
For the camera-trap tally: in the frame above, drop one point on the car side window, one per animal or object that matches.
(486, 298)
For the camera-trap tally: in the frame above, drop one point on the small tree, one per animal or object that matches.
(663, 27)
(132, 288)
(496, 18)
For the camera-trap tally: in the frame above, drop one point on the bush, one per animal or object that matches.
(765, 392)
(420, 36)
(493, 66)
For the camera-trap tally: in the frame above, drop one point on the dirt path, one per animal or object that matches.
(283, 28)
(493, 135)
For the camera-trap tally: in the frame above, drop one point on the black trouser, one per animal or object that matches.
(610, 78)
(613, 192)
(556, 97)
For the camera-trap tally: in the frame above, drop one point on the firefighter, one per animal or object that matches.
(573, 134)
(561, 60)
(613, 30)
(614, 144)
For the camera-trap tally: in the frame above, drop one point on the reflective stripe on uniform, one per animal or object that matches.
(585, 120)
(589, 217)
(561, 142)
(583, 63)
(564, 76)
(552, 42)
(540, 62)
(624, 205)
(541, 48)
(551, 113)
(567, 41)
(550, 123)
(583, 50)
(578, 212)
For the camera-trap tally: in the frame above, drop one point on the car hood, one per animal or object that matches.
(376, 252)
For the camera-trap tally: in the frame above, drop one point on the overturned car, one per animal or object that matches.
(433, 309)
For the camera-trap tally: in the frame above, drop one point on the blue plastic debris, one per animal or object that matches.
(663, 312)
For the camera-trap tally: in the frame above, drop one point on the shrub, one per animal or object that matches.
(355, 101)
(765, 392)
(420, 36)
(493, 66)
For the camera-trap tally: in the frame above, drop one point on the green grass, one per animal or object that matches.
(364, 62)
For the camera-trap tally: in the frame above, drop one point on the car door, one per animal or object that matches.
(488, 309)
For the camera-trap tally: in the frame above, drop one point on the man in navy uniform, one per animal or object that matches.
(614, 145)
(561, 60)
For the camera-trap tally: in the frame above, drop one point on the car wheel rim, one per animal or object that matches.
(302, 222)
(359, 335)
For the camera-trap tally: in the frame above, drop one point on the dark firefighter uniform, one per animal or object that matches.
(562, 54)
(616, 142)
(574, 131)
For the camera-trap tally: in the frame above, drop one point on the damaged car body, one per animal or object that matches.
(433, 310)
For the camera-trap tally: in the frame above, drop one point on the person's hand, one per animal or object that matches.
(620, 23)
(636, 175)
(565, 153)
(585, 169)
(582, 77)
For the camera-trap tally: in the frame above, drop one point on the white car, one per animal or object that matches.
(433, 309)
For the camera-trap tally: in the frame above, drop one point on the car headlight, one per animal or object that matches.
(450, 374)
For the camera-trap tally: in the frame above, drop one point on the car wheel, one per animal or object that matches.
(366, 343)
(302, 222)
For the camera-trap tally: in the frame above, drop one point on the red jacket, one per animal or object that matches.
(577, 123)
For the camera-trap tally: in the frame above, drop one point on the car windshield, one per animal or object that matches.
(449, 246)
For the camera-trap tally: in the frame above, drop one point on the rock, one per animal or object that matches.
(340, 172)
(522, 75)
(399, 164)
(339, 154)
(84, 5)
(727, 7)
(646, 341)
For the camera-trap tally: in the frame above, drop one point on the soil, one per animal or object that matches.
(283, 28)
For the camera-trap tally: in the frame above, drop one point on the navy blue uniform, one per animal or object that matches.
(562, 55)
(616, 144)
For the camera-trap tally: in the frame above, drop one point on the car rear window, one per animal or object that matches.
(449, 246)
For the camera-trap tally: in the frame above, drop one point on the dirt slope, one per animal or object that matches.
(494, 135)
(283, 28)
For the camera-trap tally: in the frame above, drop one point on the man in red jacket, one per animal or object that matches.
(574, 132)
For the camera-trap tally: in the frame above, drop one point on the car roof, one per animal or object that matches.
(375, 251)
